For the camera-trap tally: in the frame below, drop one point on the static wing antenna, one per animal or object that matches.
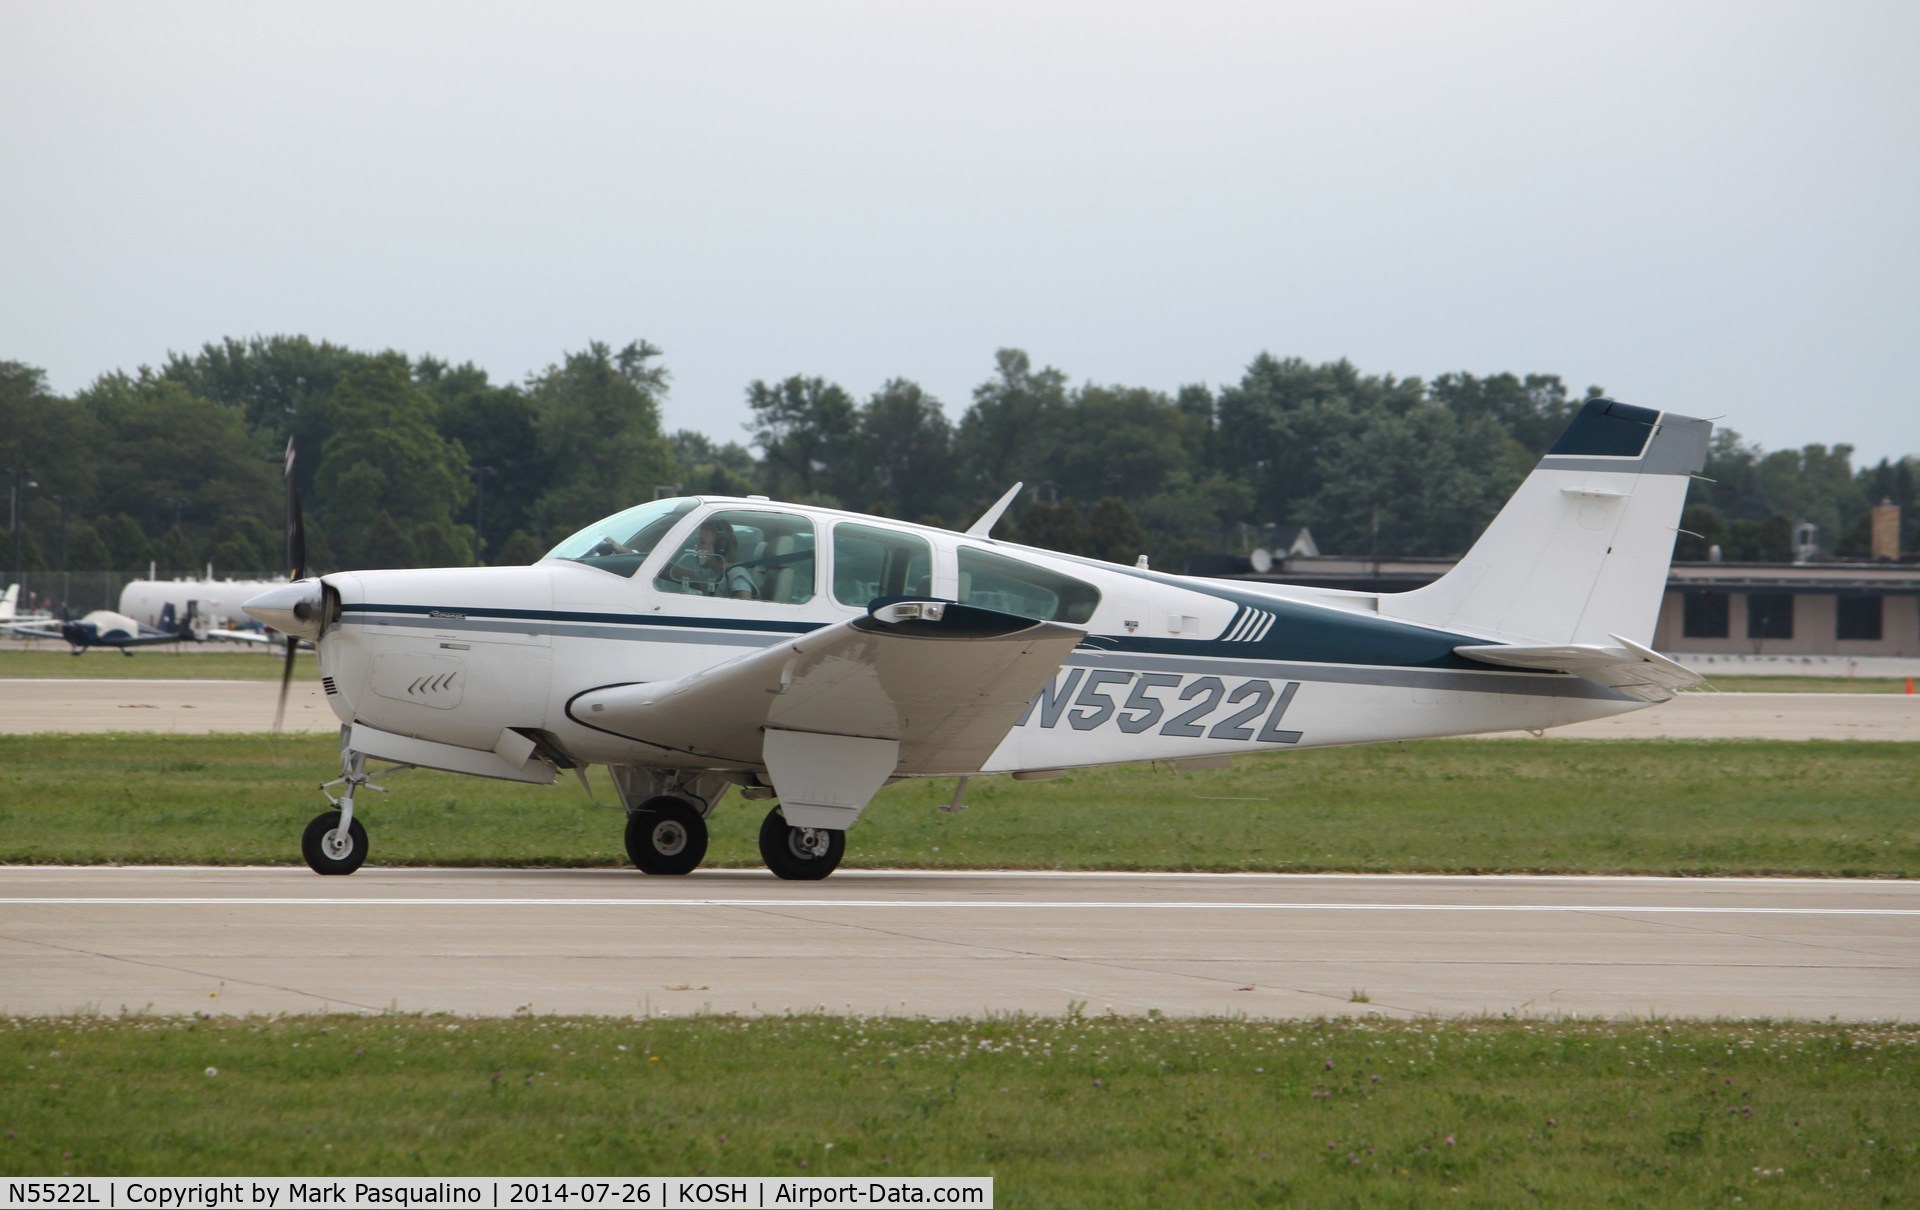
(984, 526)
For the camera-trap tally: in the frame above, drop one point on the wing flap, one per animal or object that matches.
(946, 681)
(1637, 671)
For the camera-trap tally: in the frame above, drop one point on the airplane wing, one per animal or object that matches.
(1637, 671)
(32, 632)
(245, 636)
(946, 681)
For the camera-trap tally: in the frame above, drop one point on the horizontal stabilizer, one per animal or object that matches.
(1637, 671)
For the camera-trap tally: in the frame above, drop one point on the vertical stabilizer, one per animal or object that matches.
(9, 602)
(1581, 551)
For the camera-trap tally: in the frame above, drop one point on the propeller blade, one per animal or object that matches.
(286, 683)
(297, 570)
(296, 524)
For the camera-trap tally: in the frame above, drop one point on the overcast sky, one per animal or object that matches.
(1707, 207)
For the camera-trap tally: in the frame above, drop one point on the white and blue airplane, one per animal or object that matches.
(812, 656)
(117, 631)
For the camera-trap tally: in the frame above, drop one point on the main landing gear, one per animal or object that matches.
(667, 815)
(668, 835)
(800, 854)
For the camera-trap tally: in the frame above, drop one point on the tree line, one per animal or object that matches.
(408, 461)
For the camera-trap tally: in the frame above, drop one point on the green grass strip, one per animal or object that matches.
(1803, 684)
(180, 661)
(1845, 809)
(1060, 1112)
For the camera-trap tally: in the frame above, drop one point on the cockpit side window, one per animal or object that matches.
(869, 562)
(622, 542)
(994, 581)
(745, 555)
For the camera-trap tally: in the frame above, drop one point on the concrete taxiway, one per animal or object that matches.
(175, 707)
(232, 941)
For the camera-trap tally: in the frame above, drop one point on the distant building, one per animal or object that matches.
(1279, 543)
(1293, 542)
(1857, 609)
(1844, 609)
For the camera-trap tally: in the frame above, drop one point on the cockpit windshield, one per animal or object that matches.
(622, 542)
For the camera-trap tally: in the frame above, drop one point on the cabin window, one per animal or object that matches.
(870, 563)
(622, 542)
(744, 555)
(1769, 615)
(994, 581)
(1858, 618)
(1703, 614)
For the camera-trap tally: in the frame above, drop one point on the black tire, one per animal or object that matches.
(666, 836)
(313, 845)
(784, 849)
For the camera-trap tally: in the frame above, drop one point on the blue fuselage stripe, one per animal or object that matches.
(1297, 639)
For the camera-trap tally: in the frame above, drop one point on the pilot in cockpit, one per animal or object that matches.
(707, 565)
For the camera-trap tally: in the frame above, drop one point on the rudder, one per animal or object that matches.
(1582, 550)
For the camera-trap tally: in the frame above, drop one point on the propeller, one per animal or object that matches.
(297, 565)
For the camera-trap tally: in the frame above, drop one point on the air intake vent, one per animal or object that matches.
(326, 682)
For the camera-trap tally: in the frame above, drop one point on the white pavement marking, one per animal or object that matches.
(895, 904)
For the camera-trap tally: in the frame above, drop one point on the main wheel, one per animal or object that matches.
(803, 854)
(666, 836)
(327, 850)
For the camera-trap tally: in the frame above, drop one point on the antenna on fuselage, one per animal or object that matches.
(984, 526)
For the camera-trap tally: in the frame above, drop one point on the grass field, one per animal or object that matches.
(1060, 1112)
(180, 661)
(1454, 806)
(1805, 684)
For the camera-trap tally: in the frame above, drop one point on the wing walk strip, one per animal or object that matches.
(1614, 909)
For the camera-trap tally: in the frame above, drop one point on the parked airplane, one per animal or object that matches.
(105, 628)
(10, 612)
(812, 656)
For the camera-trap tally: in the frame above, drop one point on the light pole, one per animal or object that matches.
(13, 510)
(480, 476)
(178, 502)
(65, 584)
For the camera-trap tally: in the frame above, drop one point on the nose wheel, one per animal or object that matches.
(800, 854)
(332, 849)
(666, 835)
(335, 842)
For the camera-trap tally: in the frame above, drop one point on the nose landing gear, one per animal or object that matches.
(335, 842)
(331, 848)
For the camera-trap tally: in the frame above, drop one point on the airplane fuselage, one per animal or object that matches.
(1171, 669)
